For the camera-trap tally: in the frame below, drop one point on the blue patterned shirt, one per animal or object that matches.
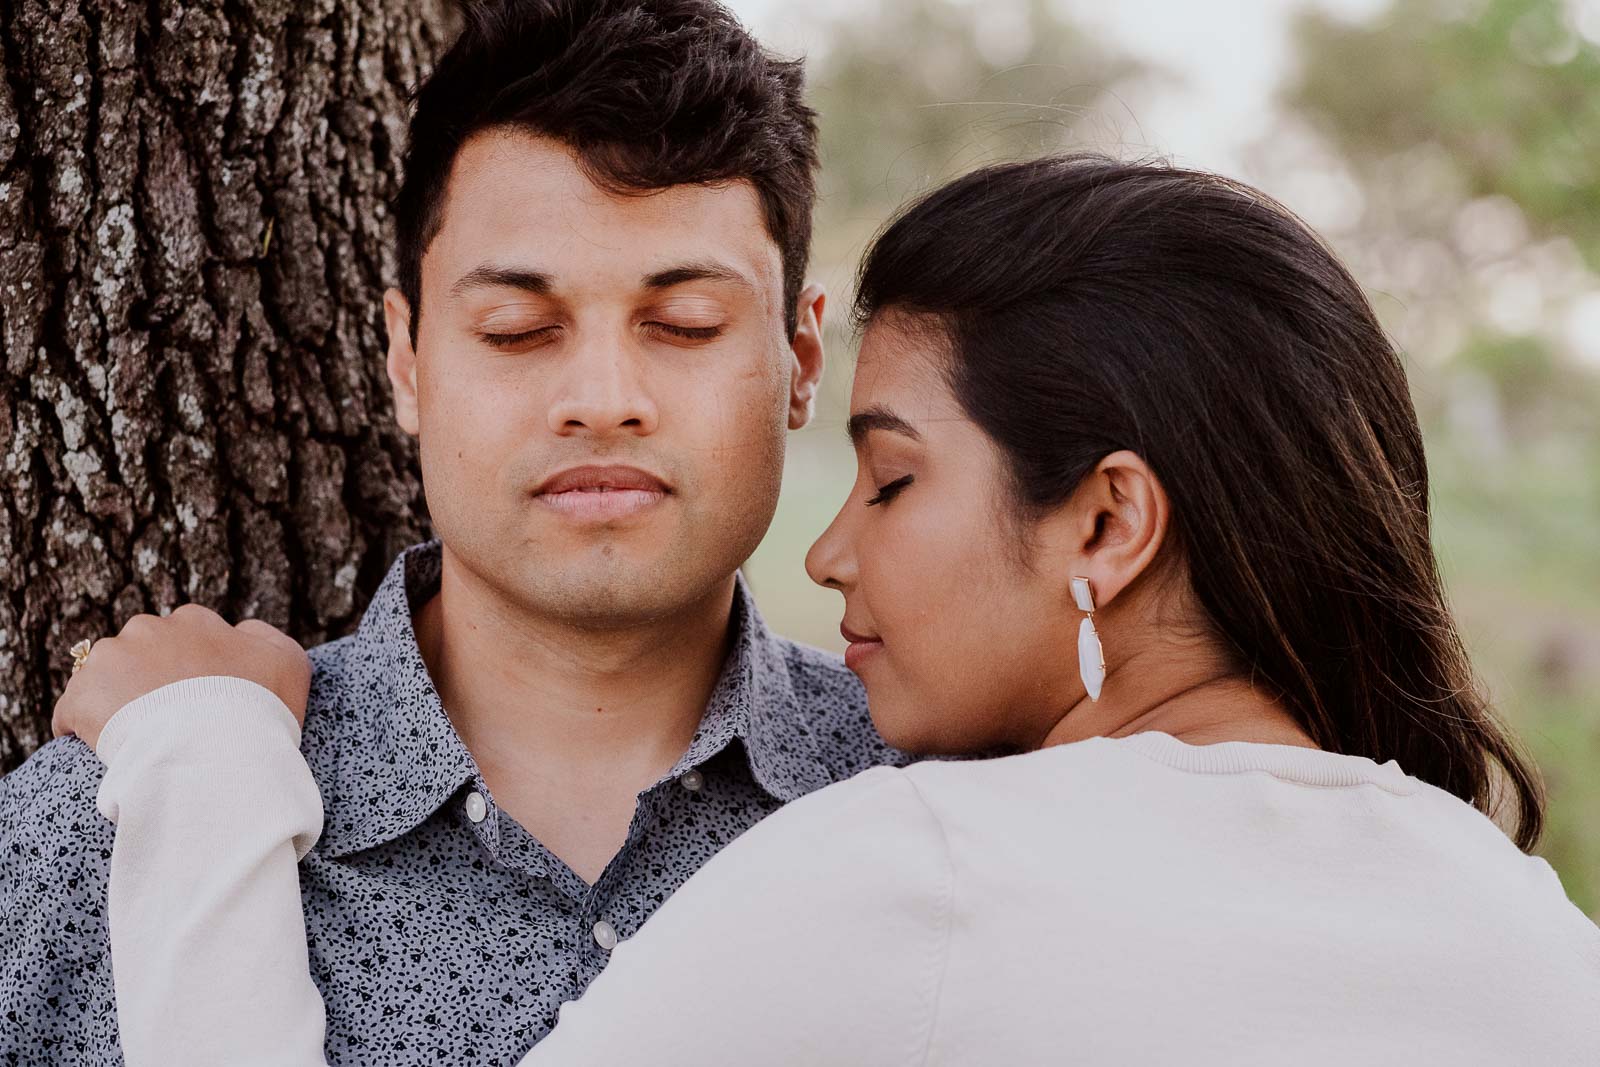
(440, 930)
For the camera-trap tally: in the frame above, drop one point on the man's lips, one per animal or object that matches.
(599, 478)
(861, 646)
(596, 493)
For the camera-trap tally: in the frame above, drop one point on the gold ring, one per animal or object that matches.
(80, 654)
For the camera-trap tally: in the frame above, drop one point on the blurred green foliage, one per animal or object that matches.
(1509, 89)
(921, 92)
(1471, 132)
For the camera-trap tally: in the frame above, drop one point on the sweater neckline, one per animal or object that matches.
(1305, 766)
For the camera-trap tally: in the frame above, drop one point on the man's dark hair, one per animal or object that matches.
(648, 93)
(1089, 305)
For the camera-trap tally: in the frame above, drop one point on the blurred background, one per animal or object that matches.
(1449, 150)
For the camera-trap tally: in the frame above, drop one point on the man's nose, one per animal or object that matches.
(603, 391)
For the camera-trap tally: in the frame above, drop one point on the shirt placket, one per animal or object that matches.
(597, 917)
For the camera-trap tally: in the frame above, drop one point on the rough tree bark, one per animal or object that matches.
(194, 238)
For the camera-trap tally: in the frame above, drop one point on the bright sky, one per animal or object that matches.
(1229, 54)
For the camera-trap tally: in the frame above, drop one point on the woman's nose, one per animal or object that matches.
(831, 560)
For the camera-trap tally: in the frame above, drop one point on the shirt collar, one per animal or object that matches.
(387, 756)
(377, 737)
(754, 700)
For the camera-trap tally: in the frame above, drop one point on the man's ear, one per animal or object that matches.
(806, 372)
(402, 361)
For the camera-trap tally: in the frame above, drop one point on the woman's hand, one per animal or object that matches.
(192, 642)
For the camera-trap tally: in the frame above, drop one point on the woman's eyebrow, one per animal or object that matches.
(878, 417)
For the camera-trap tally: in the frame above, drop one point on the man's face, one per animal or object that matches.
(601, 385)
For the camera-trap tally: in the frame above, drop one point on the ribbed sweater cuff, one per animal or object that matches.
(204, 734)
(226, 717)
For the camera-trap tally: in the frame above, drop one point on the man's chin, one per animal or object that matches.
(605, 576)
(612, 586)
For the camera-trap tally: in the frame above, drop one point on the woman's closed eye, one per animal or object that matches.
(889, 492)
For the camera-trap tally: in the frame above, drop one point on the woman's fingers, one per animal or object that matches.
(152, 651)
(293, 686)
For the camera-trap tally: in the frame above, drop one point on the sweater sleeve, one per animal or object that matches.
(214, 808)
(820, 936)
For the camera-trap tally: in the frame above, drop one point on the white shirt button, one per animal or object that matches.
(605, 935)
(477, 807)
(692, 780)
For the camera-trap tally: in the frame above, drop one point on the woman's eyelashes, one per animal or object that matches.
(889, 492)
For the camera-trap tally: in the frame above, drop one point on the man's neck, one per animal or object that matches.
(514, 683)
(568, 725)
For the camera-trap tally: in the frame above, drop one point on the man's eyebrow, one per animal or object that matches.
(878, 417)
(705, 270)
(488, 276)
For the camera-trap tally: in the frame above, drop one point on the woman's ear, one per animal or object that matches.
(1114, 526)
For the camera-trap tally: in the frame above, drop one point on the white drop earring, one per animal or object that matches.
(1091, 655)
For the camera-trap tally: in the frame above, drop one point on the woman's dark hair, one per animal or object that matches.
(1092, 305)
(648, 93)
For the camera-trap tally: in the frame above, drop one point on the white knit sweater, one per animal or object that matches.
(1132, 901)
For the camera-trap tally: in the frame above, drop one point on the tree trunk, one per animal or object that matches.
(194, 240)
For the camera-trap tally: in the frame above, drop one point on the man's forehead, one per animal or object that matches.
(523, 198)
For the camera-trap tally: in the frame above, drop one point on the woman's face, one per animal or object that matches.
(963, 641)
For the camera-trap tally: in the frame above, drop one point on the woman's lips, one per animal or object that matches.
(860, 648)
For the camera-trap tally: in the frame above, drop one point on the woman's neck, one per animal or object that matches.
(1199, 704)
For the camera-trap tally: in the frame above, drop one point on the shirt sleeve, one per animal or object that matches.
(56, 1002)
(820, 936)
(214, 808)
